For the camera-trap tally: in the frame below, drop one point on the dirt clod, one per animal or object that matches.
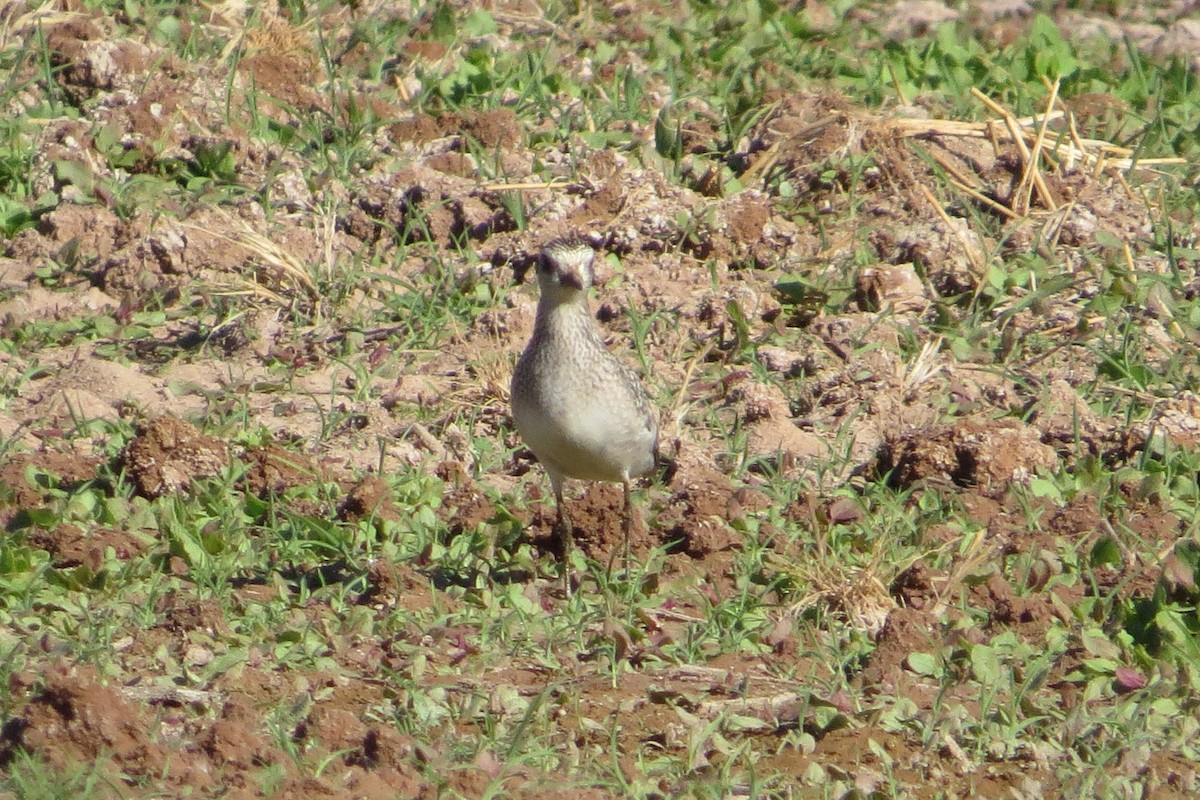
(968, 453)
(168, 453)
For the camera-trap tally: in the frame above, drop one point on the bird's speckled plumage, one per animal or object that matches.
(580, 409)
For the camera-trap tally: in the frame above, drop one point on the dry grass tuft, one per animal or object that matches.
(858, 594)
(277, 276)
(1040, 149)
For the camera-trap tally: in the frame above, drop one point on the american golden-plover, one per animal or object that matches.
(580, 409)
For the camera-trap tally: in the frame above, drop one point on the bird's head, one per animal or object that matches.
(565, 264)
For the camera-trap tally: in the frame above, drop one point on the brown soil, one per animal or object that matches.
(966, 433)
(168, 454)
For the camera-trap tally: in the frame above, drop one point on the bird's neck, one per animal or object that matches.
(563, 311)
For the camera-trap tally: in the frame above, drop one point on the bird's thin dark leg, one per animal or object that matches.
(562, 526)
(627, 522)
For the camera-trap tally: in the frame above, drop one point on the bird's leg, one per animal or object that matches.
(626, 531)
(562, 527)
(627, 522)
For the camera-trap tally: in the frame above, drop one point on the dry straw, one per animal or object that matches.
(279, 275)
(1039, 147)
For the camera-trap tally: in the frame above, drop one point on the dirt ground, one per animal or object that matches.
(863, 409)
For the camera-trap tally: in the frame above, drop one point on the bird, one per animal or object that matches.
(582, 410)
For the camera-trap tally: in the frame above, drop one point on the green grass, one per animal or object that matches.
(1098, 690)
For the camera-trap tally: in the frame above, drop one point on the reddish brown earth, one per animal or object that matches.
(214, 742)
